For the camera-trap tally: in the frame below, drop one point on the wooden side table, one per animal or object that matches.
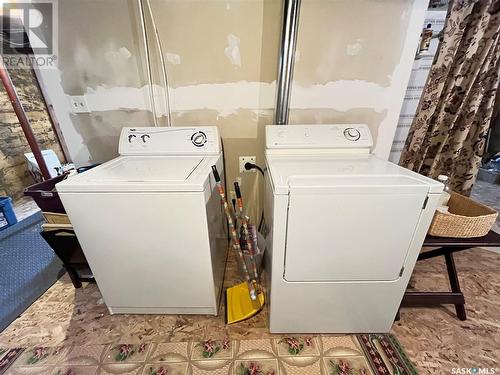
(446, 248)
(68, 249)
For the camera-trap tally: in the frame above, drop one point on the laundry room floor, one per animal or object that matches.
(435, 340)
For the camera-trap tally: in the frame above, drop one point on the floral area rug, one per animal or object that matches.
(299, 355)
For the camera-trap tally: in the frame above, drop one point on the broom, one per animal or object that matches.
(234, 235)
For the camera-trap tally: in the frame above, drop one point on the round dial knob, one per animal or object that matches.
(199, 139)
(352, 134)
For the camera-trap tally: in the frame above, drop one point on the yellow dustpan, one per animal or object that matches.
(246, 299)
(239, 305)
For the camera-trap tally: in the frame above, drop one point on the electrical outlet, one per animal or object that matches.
(79, 104)
(244, 160)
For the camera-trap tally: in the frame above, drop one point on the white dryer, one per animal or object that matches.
(150, 222)
(345, 229)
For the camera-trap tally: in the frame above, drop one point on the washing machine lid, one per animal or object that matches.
(315, 172)
(143, 174)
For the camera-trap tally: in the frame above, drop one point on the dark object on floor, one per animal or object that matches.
(6, 213)
(28, 267)
(446, 248)
(45, 195)
(493, 177)
(68, 249)
(490, 171)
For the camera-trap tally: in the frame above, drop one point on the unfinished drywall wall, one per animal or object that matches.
(220, 60)
(101, 56)
(353, 62)
(222, 67)
(14, 176)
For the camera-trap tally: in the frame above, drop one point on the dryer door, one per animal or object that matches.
(351, 228)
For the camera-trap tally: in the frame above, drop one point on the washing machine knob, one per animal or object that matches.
(352, 134)
(199, 139)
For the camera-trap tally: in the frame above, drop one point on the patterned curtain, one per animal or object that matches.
(448, 134)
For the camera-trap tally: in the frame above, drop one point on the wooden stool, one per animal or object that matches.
(446, 248)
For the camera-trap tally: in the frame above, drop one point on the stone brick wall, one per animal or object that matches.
(14, 176)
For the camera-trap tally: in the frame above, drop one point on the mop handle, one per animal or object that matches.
(239, 201)
(234, 236)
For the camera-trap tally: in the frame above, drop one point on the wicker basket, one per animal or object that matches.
(465, 219)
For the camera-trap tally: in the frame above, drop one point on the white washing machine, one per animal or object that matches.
(345, 229)
(150, 222)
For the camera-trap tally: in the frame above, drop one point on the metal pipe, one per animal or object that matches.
(162, 63)
(290, 24)
(23, 120)
(148, 61)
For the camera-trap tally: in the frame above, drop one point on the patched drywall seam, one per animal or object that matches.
(340, 95)
(116, 57)
(232, 51)
(354, 48)
(226, 99)
(173, 58)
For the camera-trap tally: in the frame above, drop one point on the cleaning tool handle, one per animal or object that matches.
(234, 235)
(239, 200)
(237, 190)
(244, 222)
(216, 173)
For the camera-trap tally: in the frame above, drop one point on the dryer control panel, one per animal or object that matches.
(321, 136)
(170, 141)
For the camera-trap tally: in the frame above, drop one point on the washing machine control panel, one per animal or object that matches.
(321, 136)
(169, 141)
